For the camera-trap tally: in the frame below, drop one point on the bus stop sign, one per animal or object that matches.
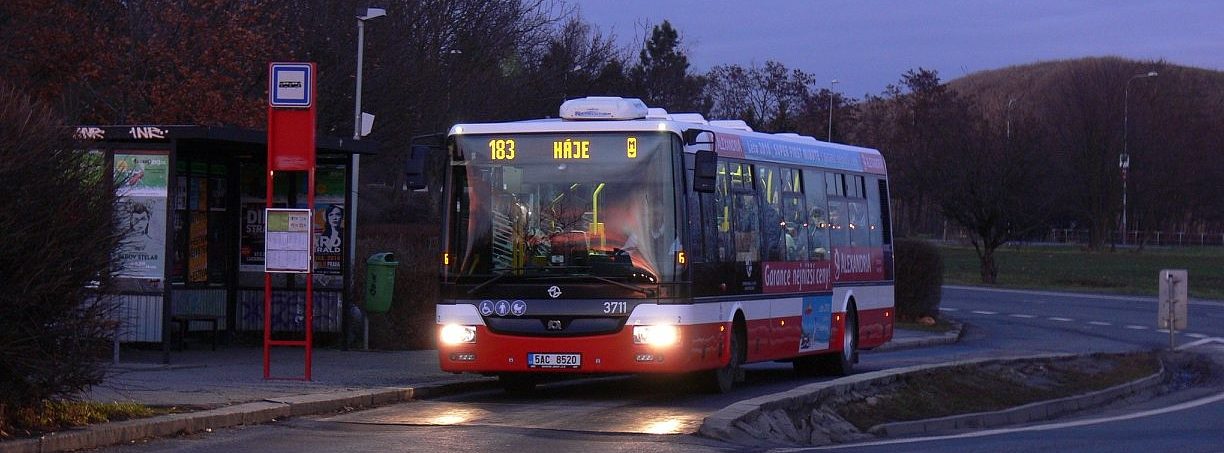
(291, 116)
(291, 85)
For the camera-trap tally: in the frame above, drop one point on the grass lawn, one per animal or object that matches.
(58, 415)
(990, 387)
(1071, 269)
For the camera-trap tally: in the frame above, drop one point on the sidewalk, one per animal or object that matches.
(203, 379)
(226, 388)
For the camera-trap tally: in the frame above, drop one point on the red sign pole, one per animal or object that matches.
(291, 147)
(267, 333)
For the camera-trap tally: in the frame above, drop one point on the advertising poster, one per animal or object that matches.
(141, 184)
(252, 188)
(251, 254)
(197, 261)
(329, 220)
(142, 251)
(329, 237)
(815, 324)
(141, 175)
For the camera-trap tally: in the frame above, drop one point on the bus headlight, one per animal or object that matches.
(664, 335)
(456, 334)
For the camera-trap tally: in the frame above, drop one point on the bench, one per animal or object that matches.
(184, 321)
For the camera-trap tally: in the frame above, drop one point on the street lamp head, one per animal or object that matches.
(370, 13)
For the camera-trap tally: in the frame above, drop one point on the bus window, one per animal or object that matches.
(817, 221)
(747, 239)
(885, 214)
(858, 224)
(773, 229)
(741, 175)
(835, 184)
(697, 216)
(874, 229)
(854, 187)
(790, 180)
(839, 230)
(721, 228)
(794, 212)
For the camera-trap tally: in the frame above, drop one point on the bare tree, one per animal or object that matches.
(767, 98)
(991, 184)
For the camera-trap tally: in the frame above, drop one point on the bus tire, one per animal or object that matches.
(722, 380)
(842, 363)
(517, 384)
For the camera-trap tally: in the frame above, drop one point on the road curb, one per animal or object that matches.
(1041, 410)
(752, 421)
(952, 336)
(253, 413)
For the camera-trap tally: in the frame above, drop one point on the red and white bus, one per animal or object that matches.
(623, 239)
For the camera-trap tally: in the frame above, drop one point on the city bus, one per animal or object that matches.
(619, 238)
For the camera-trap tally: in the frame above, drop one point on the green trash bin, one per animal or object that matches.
(380, 282)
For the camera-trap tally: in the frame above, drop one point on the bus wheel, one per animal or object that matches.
(517, 384)
(721, 380)
(842, 364)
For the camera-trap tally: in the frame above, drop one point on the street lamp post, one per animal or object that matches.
(1124, 158)
(362, 17)
(363, 14)
(831, 83)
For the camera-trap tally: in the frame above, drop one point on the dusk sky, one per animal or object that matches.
(867, 45)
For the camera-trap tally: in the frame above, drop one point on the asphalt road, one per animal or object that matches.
(1191, 421)
(637, 414)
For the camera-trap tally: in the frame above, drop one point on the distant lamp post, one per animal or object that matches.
(831, 83)
(1124, 158)
(363, 14)
(1010, 101)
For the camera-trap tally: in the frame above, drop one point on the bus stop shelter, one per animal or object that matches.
(191, 201)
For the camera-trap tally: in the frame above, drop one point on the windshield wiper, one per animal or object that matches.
(498, 277)
(622, 284)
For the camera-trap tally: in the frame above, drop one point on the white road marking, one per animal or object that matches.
(1100, 323)
(1196, 335)
(1134, 327)
(984, 312)
(1023, 316)
(948, 309)
(1046, 427)
(1201, 342)
(1055, 318)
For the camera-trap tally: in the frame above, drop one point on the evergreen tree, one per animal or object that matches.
(661, 77)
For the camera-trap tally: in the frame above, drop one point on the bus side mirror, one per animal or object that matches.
(693, 137)
(415, 170)
(705, 170)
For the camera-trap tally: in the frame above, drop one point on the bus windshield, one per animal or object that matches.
(542, 206)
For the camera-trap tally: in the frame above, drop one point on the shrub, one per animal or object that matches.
(919, 278)
(58, 232)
